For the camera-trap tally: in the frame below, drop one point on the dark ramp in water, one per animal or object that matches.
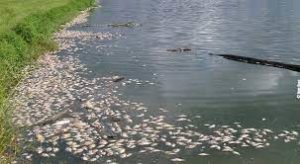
(251, 60)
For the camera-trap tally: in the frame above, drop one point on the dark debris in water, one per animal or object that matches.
(179, 50)
(127, 24)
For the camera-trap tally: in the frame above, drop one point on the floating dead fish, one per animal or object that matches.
(212, 126)
(40, 138)
(85, 158)
(217, 147)
(163, 110)
(227, 148)
(177, 160)
(117, 78)
(235, 153)
(45, 155)
(176, 150)
(203, 154)
(141, 115)
(182, 119)
(62, 122)
(55, 150)
(39, 150)
(88, 105)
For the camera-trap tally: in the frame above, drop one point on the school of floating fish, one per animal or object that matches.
(98, 125)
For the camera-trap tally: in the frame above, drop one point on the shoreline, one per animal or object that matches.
(72, 117)
(33, 39)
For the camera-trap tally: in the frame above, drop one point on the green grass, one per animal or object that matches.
(26, 27)
(13, 11)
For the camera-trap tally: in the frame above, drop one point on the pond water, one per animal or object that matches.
(194, 83)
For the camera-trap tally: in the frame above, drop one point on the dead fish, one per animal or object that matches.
(88, 105)
(203, 154)
(177, 160)
(217, 147)
(236, 153)
(62, 122)
(117, 78)
(40, 138)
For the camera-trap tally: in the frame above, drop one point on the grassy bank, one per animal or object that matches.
(25, 33)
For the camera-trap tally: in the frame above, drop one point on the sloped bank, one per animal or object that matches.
(21, 45)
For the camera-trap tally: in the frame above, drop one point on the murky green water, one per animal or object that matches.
(194, 83)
